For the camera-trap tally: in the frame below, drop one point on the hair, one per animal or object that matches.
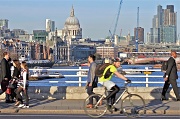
(92, 56)
(9, 60)
(17, 63)
(25, 65)
(4, 54)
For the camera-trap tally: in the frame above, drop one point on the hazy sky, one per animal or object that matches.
(96, 17)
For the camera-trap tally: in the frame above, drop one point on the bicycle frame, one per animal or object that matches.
(120, 96)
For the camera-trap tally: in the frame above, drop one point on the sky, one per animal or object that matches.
(96, 17)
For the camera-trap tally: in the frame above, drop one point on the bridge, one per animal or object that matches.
(149, 57)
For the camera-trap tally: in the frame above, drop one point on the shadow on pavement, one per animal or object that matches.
(156, 104)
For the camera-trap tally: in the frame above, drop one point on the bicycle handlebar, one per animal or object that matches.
(125, 85)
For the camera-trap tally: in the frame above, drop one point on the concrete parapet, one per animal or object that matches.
(63, 92)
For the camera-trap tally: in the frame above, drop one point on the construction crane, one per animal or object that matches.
(137, 36)
(115, 27)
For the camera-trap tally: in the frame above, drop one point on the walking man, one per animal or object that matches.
(91, 78)
(170, 77)
(5, 75)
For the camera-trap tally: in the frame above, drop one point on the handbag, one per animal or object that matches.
(4, 85)
(8, 90)
(95, 81)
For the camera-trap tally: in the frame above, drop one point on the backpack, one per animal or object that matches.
(164, 66)
(100, 70)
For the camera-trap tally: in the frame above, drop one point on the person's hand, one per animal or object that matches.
(90, 84)
(6, 79)
(128, 81)
(166, 78)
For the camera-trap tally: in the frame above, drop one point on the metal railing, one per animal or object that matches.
(147, 74)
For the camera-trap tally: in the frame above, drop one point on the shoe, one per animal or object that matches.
(21, 105)
(25, 106)
(115, 109)
(177, 99)
(89, 106)
(7, 101)
(12, 101)
(109, 108)
(163, 98)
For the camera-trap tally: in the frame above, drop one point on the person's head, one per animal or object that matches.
(91, 58)
(173, 54)
(24, 65)
(6, 55)
(117, 62)
(16, 63)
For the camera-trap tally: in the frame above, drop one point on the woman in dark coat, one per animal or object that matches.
(16, 75)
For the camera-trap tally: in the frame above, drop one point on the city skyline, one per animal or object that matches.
(96, 17)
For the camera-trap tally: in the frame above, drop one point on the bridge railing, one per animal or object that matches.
(147, 74)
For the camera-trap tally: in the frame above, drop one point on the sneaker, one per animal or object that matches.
(21, 105)
(109, 108)
(25, 106)
(115, 109)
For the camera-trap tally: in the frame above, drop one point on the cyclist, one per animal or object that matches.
(105, 80)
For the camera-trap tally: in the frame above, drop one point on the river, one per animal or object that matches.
(115, 79)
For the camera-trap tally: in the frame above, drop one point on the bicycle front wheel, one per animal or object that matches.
(98, 108)
(133, 105)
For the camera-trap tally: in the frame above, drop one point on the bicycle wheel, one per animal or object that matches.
(99, 106)
(133, 105)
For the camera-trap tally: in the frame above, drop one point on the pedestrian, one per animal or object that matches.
(91, 78)
(110, 85)
(5, 76)
(170, 77)
(23, 86)
(15, 77)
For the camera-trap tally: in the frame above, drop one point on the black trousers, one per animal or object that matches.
(173, 82)
(112, 94)
(90, 92)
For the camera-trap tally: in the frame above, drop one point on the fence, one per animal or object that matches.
(147, 74)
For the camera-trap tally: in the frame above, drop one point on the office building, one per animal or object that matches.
(164, 25)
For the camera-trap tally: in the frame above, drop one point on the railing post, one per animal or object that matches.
(80, 78)
(147, 78)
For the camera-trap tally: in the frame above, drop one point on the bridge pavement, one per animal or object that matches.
(170, 107)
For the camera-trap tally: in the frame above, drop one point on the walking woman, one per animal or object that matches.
(23, 86)
(15, 76)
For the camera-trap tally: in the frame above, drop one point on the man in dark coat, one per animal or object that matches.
(5, 75)
(170, 77)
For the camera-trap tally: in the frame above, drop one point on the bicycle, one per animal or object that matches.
(132, 105)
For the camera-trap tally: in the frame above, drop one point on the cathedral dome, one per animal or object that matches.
(72, 20)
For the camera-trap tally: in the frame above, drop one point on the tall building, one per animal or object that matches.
(50, 25)
(3, 23)
(164, 25)
(140, 34)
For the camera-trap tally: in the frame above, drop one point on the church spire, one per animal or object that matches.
(72, 12)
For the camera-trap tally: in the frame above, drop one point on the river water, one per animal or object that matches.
(61, 81)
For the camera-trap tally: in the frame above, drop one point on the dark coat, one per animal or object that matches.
(171, 69)
(16, 72)
(5, 73)
(5, 69)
